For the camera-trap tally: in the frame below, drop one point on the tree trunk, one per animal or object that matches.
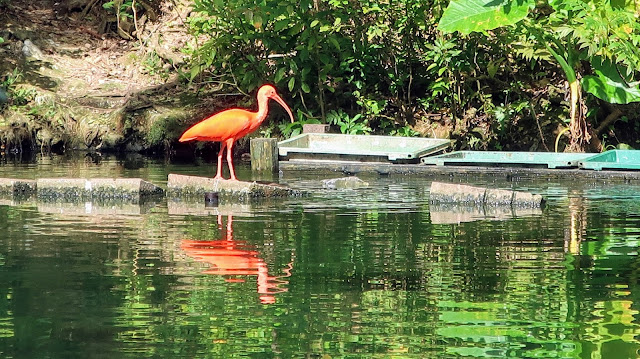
(579, 133)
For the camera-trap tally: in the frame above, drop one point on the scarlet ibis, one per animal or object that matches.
(229, 125)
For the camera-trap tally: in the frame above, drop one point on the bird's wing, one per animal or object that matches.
(219, 127)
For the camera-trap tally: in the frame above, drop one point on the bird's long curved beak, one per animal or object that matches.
(283, 104)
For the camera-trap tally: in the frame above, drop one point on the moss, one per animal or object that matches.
(165, 126)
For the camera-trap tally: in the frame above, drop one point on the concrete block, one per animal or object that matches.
(95, 188)
(20, 187)
(464, 194)
(456, 193)
(315, 128)
(524, 199)
(196, 187)
(498, 197)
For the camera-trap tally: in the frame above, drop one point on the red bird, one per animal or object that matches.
(229, 125)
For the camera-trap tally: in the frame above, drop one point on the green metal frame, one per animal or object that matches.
(614, 159)
(504, 158)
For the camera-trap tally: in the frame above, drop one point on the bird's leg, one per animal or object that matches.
(219, 173)
(230, 159)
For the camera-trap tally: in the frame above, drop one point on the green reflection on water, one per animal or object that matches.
(339, 274)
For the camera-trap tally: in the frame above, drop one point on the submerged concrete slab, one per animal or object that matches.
(194, 187)
(351, 182)
(463, 194)
(96, 188)
(19, 187)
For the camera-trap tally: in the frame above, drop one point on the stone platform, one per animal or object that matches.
(196, 187)
(17, 187)
(80, 189)
(443, 193)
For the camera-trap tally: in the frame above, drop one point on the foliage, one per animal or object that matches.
(567, 31)
(350, 125)
(18, 96)
(479, 15)
(289, 129)
(153, 65)
(319, 53)
(610, 84)
(121, 7)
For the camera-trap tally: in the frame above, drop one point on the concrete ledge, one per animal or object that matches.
(17, 187)
(464, 194)
(96, 188)
(192, 186)
(447, 172)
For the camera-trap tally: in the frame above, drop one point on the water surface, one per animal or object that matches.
(374, 272)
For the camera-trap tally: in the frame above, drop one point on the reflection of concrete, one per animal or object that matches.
(9, 200)
(453, 214)
(232, 259)
(94, 208)
(195, 208)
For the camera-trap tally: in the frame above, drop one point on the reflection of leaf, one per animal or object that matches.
(468, 16)
(609, 85)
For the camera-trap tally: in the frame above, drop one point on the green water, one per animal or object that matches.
(367, 273)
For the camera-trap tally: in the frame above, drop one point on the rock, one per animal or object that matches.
(4, 96)
(31, 51)
(351, 182)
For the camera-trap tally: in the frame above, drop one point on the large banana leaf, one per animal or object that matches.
(468, 16)
(609, 84)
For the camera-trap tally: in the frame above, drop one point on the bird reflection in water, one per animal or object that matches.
(232, 258)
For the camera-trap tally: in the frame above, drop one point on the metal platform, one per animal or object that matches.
(502, 159)
(613, 160)
(363, 148)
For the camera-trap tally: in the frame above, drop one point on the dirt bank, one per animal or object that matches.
(75, 78)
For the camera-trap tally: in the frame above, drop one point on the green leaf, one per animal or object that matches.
(335, 43)
(194, 72)
(292, 83)
(467, 16)
(305, 88)
(611, 89)
(280, 25)
(257, 21)
(279, 74)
